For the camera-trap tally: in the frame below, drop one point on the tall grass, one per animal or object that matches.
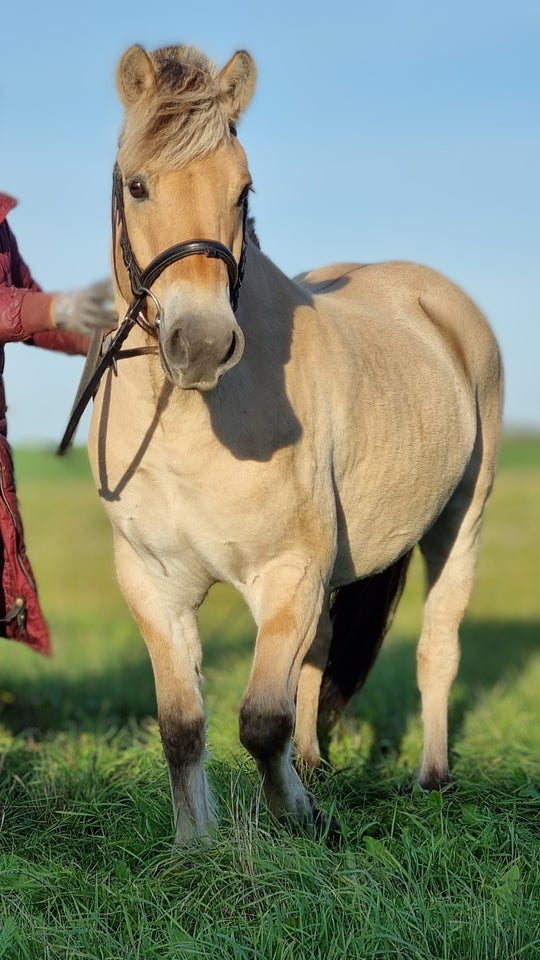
(86, 862)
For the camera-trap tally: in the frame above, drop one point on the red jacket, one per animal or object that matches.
(24, 316)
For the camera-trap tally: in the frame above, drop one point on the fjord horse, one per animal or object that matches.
(295, 438)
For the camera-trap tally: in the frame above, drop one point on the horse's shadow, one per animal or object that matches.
(492, 652)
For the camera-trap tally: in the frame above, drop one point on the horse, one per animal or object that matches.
(295, 438)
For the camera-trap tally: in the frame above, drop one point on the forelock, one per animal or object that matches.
(182, 117)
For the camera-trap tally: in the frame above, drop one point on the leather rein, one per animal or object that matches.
(141, 282)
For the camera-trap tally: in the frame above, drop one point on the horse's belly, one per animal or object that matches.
(383, 513)
(395, 478)
(370, 541)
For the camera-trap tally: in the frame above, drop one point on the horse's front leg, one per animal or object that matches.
(287, 602)
(169, 628)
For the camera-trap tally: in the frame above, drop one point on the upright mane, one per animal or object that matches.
(181, 115)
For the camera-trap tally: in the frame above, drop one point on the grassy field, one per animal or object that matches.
(86, 863)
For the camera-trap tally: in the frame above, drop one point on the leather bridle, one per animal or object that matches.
(141, 282)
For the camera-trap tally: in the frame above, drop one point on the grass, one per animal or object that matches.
(86, 864)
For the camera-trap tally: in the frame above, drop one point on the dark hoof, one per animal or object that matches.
(316, 822)
(435, 781)
(327, 828)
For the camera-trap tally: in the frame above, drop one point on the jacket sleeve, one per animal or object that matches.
(62, 340)
(25, 309)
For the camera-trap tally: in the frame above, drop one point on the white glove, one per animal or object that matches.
(84, 311)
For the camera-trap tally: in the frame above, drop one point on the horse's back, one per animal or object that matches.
(429, 302)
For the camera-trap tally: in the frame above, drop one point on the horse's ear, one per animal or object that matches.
(135, 74)
(237, 83)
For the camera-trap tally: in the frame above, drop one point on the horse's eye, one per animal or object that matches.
(244, 195)
(137, 189)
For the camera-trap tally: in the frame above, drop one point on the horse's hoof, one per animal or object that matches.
(434, 781)
(327, 828)
(314, 821)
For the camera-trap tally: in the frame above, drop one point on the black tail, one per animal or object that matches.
(361, 613)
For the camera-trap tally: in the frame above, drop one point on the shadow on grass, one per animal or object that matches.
(73, 693)
(58, 703)
(124, 691)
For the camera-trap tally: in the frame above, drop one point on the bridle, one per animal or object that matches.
(141, 282)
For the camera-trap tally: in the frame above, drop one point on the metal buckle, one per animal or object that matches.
(142, 319)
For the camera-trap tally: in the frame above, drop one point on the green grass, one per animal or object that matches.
(86, 862)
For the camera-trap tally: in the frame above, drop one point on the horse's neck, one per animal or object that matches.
(268, 294)
(267, 305)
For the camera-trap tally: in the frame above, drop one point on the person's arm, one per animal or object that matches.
(62, 321)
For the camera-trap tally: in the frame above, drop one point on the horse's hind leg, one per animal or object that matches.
(171, 636)
(450, 550)
(309, 687)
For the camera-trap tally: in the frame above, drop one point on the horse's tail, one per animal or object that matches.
(361, 613)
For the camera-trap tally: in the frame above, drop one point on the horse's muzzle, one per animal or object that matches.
(196, 351)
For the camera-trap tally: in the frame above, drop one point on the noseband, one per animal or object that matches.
(141, 282)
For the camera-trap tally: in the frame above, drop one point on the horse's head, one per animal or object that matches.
(183, 177)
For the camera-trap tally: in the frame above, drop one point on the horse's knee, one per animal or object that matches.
(265, 730)
(183, 740)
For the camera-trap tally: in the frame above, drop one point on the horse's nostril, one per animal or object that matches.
(230, 351)
(178, 348)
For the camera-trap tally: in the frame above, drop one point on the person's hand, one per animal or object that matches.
(85, 311)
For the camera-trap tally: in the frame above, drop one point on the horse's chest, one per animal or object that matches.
(213, 517)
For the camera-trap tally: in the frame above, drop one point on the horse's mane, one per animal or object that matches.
(182, 117)
(252, 233)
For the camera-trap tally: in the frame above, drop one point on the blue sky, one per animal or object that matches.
(377, 131)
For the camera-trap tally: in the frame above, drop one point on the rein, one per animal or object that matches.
(141, 282)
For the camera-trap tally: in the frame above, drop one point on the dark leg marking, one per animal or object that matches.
(264, 734)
